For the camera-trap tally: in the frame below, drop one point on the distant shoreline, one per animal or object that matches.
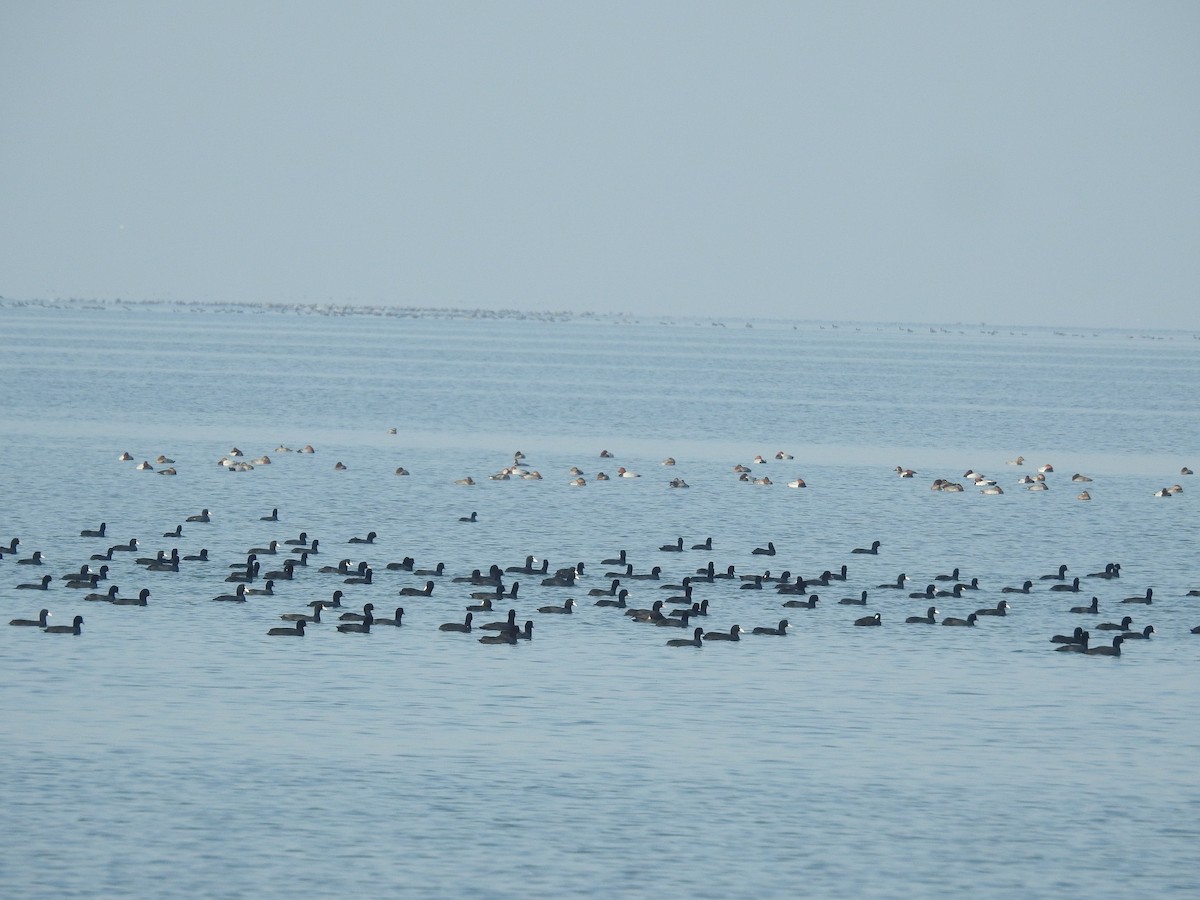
(614, 318)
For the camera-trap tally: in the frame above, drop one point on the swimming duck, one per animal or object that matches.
(287, 573)
(139, 600)
(930, 618)
(695, 641)
(644, 615)
(239, 597)
(1093, 608)
(333, 602)
(566, 608)
(296, 630)
(367, 577)
(426, 591)
(1061, 576)
(969, 621)
(1114, 650)
(768, 550)
(610, 591)
(1079, 646)
(363, 627)
(1001, 609)
(39, 622)
(314, 617)
(873, 549)
(202, 516)
(463, 627)
(1146, 598)
(734, 634)
(619, 603)
(509, 624)
(73, 628)
(504, 637)
(95, 532)
(876, 619)
(779, 631)
(394, 622)
(169, 564)
(1073, 587)
(673, 621)
(696, 609)
(1143, 635)
(854, 601)
(250, 573)
(810, 603)
(159, 556)
(685, 597)
(1074, 638)
(652, 575)
(1023, 589)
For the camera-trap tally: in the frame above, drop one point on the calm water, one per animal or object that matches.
(176, 750)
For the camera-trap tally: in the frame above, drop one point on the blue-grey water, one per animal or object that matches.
(177, 750)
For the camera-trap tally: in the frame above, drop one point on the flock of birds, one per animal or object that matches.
(484, 590)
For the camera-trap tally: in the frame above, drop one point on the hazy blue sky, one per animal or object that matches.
(1034, 163)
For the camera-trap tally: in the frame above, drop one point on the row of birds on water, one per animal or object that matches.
(1034, 483)
(235, 461)
(252, 581)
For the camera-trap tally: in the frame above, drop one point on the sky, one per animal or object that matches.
(1006, 163)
